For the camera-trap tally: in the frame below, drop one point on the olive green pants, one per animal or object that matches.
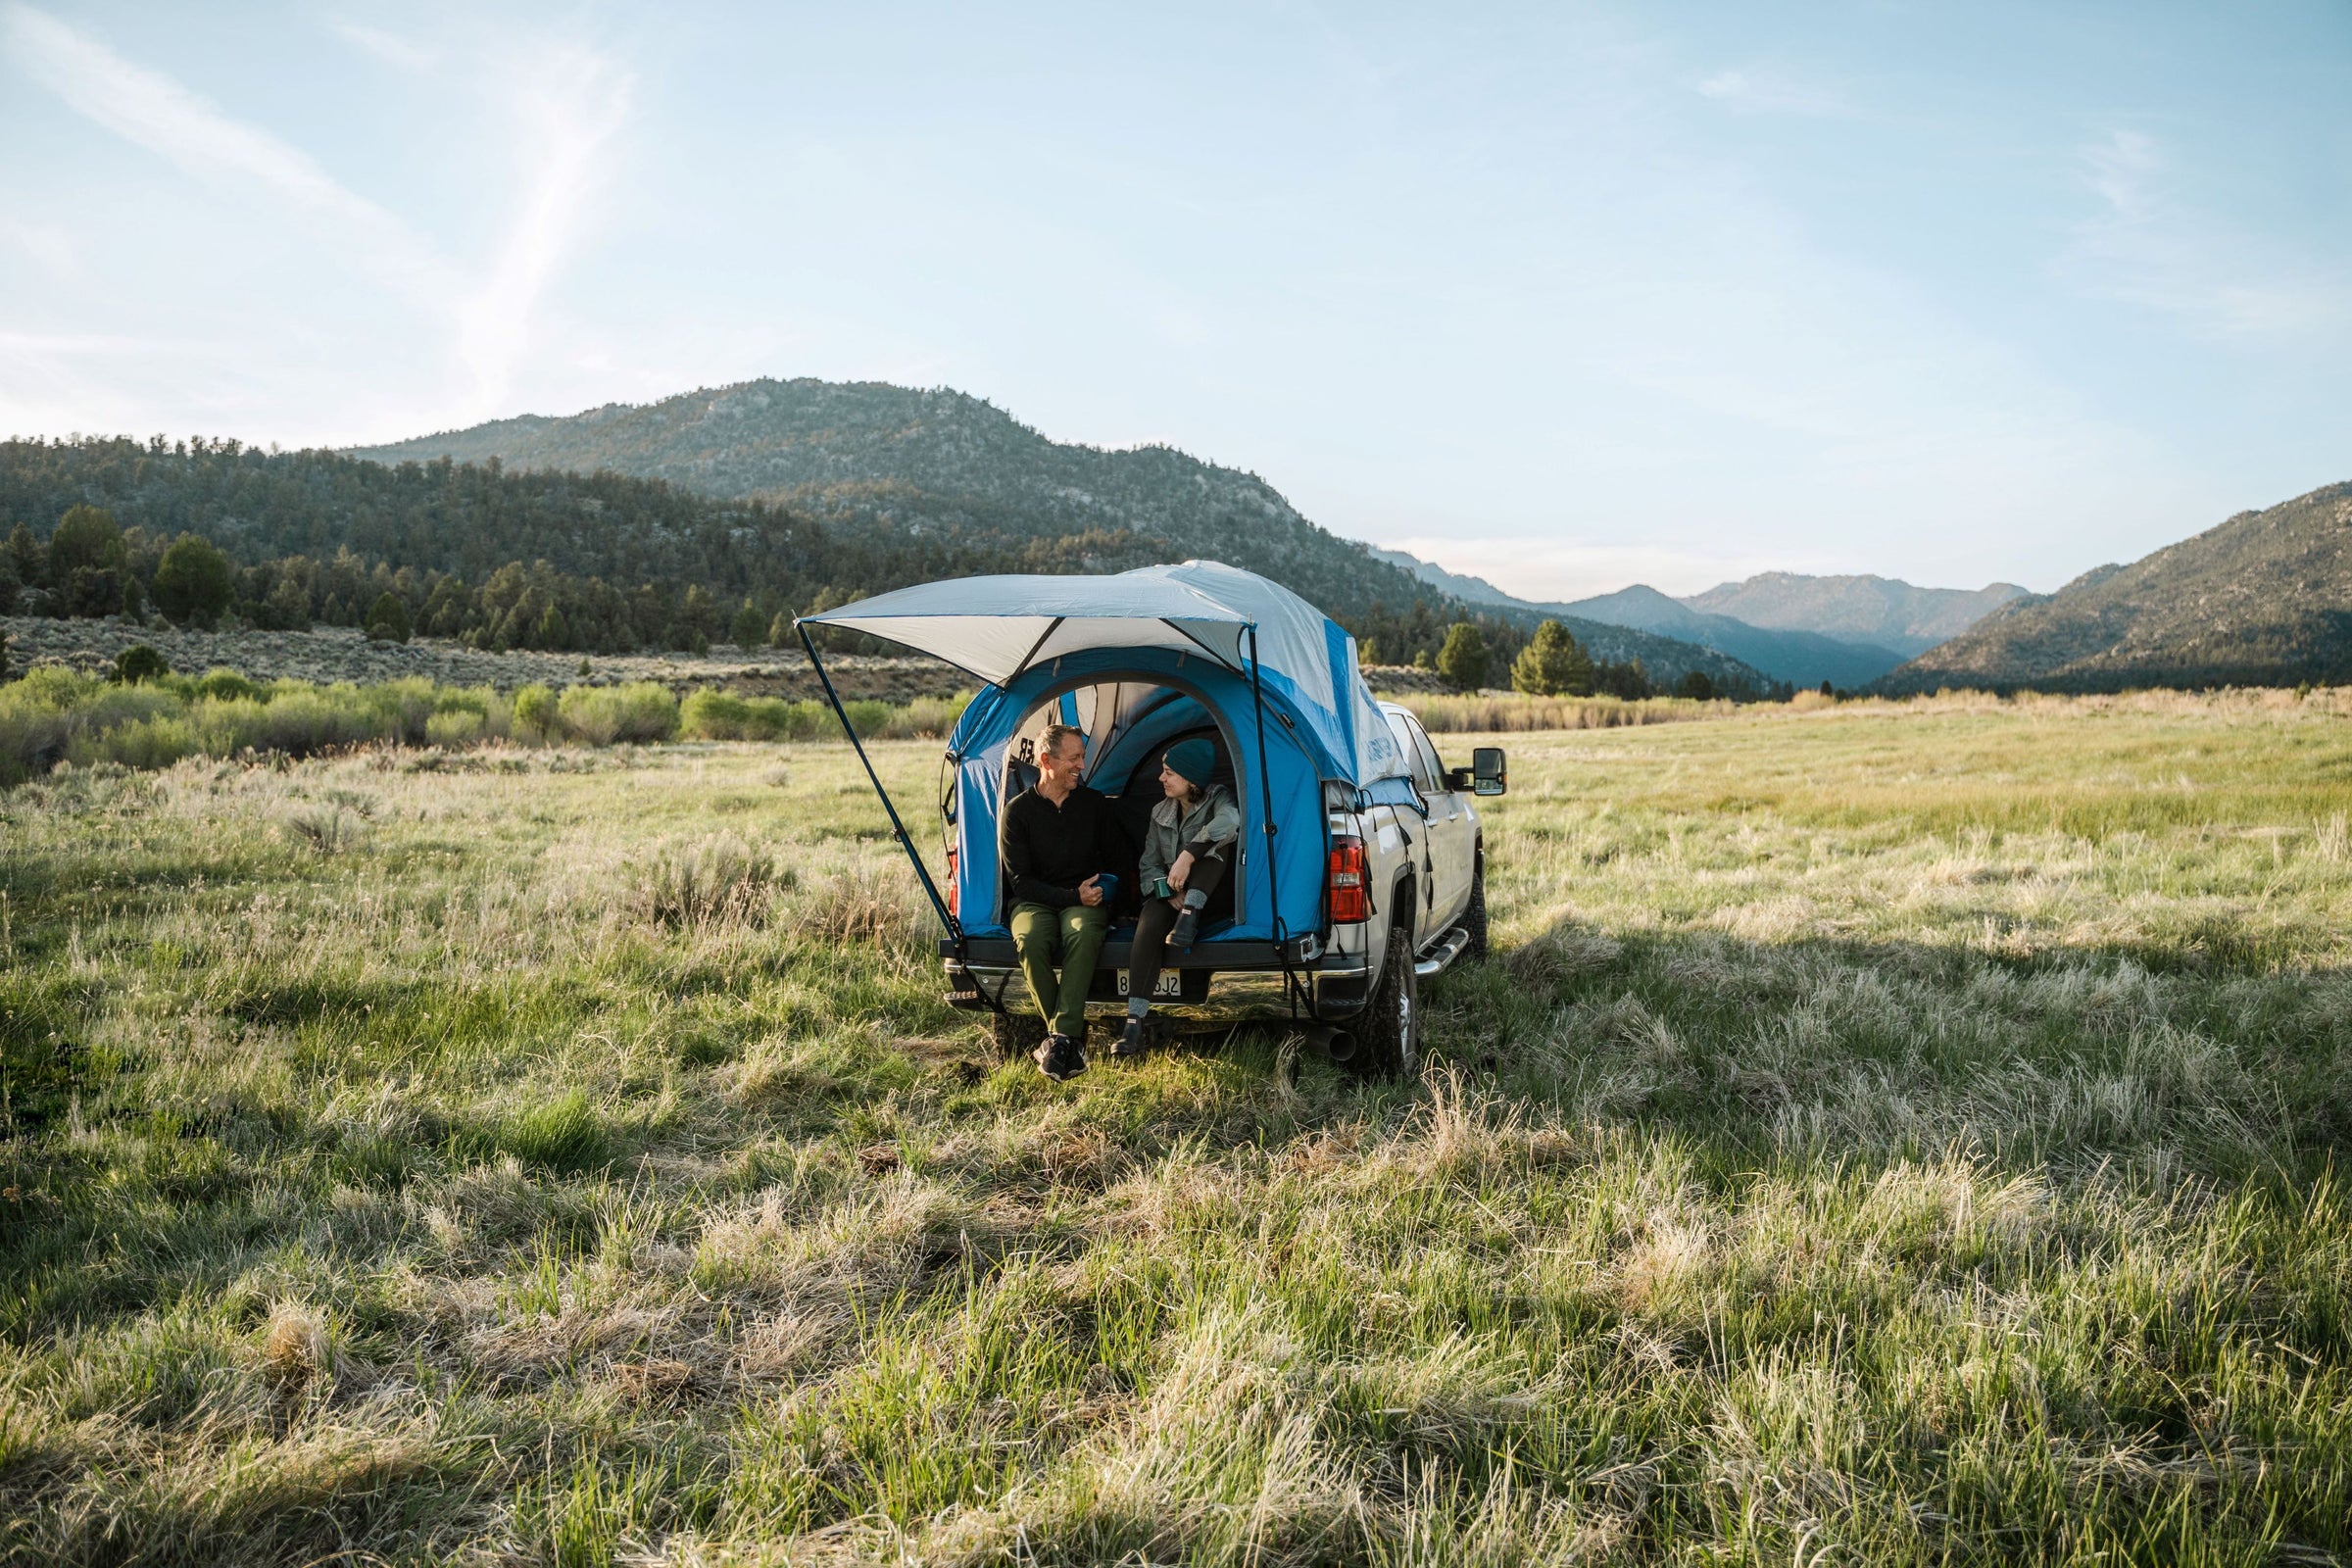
(1077, 933)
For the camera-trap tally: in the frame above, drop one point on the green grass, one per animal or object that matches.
(1884, 1134)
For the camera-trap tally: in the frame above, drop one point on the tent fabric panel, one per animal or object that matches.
(1295, 782)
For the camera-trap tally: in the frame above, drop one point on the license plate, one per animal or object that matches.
(1169, 987)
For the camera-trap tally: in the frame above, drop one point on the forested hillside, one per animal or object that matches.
(876, 461)
(2263, 600)
(500, 558)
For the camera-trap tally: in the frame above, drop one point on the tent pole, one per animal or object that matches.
(946, 919)
(1265, 795)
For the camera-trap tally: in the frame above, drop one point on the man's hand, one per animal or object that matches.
(1088, 894)
(1182, 869)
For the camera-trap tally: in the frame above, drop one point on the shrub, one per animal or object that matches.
(139, 663)
(863, 903)
(642, 711)
(537, 716)
(226, 685)
(714, 880)
(453, 728)
(714, 715)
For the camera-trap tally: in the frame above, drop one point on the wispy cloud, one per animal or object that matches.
(1761, 89)
(565, 105)
(2148, 247)
(155, 112)
(389, 47)
(568, 107)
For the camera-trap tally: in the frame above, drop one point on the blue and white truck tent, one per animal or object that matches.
(1138, 660)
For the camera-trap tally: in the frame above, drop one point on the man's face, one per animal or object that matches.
(1068, 763)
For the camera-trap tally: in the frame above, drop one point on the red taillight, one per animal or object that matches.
(955, 906)
(1351, 899)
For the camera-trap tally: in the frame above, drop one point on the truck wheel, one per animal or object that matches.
(1474, 919)
(1015, 1034)
(1387, 1033)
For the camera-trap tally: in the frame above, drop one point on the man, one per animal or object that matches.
(1052, 842)
(1185, 855)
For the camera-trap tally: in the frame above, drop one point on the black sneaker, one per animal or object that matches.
(1133, 1041)
(1060, 1057)
(1187, 927)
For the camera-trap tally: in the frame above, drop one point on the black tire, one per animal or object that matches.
(1474, 919)
(1015, 1034)
(1388, 1032)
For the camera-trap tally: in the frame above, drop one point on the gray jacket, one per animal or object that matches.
(1215, 820)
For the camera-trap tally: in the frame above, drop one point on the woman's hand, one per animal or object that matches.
(1182, 869)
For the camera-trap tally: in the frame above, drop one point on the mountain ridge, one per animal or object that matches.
(2262, 599)
(1798, 657)
(858, 456)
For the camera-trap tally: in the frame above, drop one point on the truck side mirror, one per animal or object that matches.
(1488, 773)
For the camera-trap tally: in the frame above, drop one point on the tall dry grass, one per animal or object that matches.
(1881, 1137)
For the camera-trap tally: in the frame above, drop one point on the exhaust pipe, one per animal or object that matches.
(1337, 1042)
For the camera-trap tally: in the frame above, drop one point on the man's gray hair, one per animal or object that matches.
(1048, 744)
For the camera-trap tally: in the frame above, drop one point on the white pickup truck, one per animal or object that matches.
(1422, 868)
(1360, 870)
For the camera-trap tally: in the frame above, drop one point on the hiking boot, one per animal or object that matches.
(1060, 1057)
(1133, 1041)
(1187, 927)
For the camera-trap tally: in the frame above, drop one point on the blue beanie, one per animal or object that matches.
(1193, 761)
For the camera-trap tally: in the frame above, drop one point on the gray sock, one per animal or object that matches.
(1137, 1007)
(1195, 899)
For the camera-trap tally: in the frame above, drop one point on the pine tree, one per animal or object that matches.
(25, 556)
(86, 563)
(192, 583)
(1551, 665)
(1463, 658)
(388, 619)
(779, 630)
(749, 626)
(551, 632)
(1695, 684)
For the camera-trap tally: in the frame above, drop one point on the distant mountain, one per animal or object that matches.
(1882, 611)
(2263, 600)
(1801, 659)
(1469, 590)
(867, 459)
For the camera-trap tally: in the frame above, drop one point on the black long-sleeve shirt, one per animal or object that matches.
(1049, 849)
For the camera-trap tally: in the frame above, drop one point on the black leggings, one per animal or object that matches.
(1151, 947)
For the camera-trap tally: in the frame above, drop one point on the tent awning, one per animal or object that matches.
(996, 627)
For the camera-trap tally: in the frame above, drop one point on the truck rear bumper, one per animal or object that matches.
(1341, 981)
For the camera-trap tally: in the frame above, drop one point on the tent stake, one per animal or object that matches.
(952, 926)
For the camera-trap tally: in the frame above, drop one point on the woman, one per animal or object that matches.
(1186, 855)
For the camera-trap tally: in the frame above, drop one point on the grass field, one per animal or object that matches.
(1889, 1135)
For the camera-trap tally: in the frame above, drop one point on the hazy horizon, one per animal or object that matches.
(1564, 300)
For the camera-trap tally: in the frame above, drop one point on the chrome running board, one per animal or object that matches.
(1448, 948)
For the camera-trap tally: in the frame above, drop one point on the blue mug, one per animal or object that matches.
(1108, 882)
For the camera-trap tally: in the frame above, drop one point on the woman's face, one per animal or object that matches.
(1173, 783)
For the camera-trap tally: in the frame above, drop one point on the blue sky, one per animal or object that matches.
(1569, 296)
